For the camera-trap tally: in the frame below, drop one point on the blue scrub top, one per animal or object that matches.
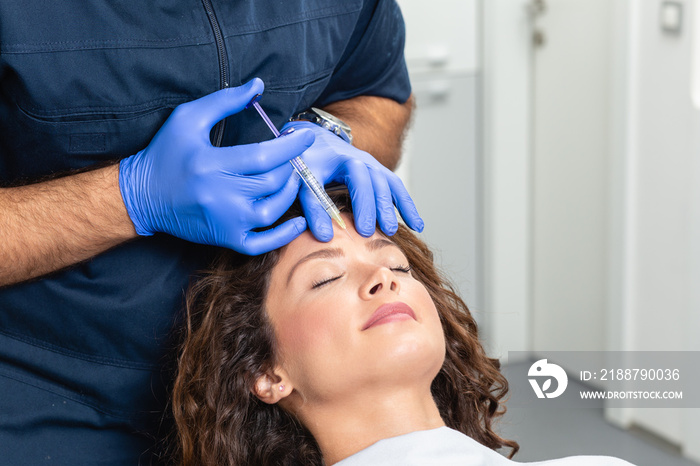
(86, 354)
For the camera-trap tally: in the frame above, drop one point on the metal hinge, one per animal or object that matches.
(537, 8)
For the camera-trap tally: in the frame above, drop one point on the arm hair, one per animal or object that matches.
(47, 226)
(378, 125)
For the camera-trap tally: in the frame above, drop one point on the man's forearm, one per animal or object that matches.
(47, 226)
(378, 125)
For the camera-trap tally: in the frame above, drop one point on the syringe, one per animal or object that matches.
(303, 171)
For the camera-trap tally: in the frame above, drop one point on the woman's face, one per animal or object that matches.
(349, 315)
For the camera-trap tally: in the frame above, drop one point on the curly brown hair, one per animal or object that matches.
(229, 343)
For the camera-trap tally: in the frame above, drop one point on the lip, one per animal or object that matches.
(388, 313)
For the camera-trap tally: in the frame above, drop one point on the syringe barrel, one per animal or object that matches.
(312, 184)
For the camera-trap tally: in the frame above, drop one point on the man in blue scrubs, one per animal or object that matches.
(108, 196)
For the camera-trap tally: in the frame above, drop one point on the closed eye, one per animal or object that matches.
(325, 281)
(405, 269)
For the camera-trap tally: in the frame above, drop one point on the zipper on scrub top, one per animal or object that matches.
(223, 64)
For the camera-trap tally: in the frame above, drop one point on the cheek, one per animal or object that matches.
(431, 317)
(421, 295)
(303, 331)
(436, 348)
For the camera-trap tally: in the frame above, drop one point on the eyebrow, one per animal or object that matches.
(333, 253)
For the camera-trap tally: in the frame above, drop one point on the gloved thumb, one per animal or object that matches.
(218, 105)
(262, 157)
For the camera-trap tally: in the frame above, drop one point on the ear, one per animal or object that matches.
(273, 387)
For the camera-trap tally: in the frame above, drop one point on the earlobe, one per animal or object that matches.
(271, 388)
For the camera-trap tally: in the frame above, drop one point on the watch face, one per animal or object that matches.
(328, 116)
(333, 124)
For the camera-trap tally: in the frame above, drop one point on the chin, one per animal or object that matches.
(411, 355)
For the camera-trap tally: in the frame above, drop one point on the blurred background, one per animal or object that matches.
(555, 157)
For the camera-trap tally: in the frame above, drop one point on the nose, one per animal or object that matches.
(381, 280)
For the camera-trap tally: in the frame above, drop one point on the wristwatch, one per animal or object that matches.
(326, 120)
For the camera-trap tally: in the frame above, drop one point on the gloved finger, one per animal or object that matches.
(386, 215)
(405, 204)
(262, 157)
(318, 220)
(264, 184)
(266, 211)
(359, 183)
(299, 124)
(218, 105)
(260, 242)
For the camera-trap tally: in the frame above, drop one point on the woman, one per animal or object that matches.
(350, 352)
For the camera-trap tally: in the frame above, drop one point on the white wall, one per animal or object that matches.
(664, 155)
(655, 245)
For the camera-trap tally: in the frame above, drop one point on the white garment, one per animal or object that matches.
(447, 447)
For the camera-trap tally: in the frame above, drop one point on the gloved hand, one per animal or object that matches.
(184, 186)
(373, 188)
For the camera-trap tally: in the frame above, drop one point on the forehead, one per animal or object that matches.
(348, 241)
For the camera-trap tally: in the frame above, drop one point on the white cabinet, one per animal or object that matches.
(443, 151)
(441, 156)
(442, 35)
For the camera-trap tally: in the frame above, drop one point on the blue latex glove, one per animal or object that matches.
(184, 186)
(373, 188)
